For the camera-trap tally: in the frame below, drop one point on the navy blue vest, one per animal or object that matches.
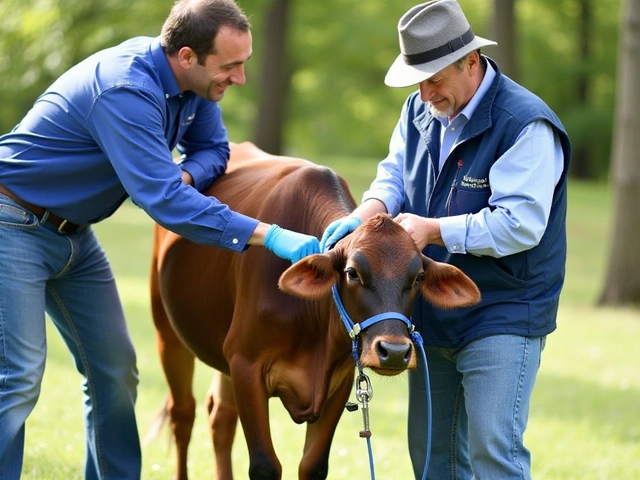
(520, 292)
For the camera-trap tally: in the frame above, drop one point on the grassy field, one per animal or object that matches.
(585, 417)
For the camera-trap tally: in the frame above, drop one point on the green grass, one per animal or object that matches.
(585, 417)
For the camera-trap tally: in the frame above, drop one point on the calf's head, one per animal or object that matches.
(379, 269)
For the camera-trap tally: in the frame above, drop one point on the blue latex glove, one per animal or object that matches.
(290, 245)
(337, 230)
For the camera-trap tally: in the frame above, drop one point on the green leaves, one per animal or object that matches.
(339, 52)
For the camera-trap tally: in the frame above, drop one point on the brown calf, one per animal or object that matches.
(271, 328)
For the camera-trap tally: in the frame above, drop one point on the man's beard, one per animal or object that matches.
(441, 113)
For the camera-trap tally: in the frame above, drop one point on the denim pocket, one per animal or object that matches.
(16, 216)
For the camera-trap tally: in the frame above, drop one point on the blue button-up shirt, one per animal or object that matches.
(522, 184)
(106, 130)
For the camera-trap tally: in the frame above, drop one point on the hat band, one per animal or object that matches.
(434, 54)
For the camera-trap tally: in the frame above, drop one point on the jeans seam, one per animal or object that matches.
(3, 351)
(525, 360)
(454, 433)
(101, 464)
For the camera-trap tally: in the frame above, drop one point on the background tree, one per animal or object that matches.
(315, 82)
(552, 67)
(504, 31)
(622, 283)
(40, 39)
(583, 165)
(275, 79)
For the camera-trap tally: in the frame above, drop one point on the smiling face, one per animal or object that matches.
(448, 91)
(220, 69)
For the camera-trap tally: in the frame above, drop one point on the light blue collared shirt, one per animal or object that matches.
(522, 184)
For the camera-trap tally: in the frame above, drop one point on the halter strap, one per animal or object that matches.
(354, 329)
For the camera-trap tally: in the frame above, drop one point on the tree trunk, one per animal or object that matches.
(274, 80)
(503, 31)
(582, 161)
(622, 282)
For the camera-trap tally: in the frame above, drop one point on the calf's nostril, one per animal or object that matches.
(383, 353)
(394, 355)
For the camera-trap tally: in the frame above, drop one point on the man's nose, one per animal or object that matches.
(426, 92)
(238, 76)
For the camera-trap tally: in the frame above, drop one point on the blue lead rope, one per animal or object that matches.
(354, 329)
(417, 339)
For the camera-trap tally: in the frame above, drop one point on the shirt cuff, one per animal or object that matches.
(393, 207)
(196, 171)
(239, 230)
(453, 231)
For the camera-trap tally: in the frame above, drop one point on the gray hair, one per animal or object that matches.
(460, 62)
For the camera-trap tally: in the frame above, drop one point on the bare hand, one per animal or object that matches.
(423, 230)
(187, 179)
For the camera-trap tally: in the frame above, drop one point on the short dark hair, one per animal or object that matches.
(196, 23)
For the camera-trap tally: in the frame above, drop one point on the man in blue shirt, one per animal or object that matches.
(477, 174)
(104, 132)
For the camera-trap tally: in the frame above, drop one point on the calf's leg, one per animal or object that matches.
(253, 410)
(315, 460)
(223, 420)
(178, 364)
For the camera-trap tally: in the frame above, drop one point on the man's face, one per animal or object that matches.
(223, 68)
(449, 90)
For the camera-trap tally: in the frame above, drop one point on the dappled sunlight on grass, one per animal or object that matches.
(588, 221)
(595, 344)
(584, 414)
(574, 450)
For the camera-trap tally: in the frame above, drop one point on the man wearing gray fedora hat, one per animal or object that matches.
(477, 174)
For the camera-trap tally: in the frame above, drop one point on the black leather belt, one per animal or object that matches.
(64, 226)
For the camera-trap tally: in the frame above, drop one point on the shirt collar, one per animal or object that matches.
(467, 111)
(167, 78)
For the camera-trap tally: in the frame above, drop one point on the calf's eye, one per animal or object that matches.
(352, 274)
(420, 278)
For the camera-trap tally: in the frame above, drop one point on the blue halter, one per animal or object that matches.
(364, 394)
(354, 329)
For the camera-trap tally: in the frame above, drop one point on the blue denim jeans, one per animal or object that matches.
(69, 278)
(480, 397)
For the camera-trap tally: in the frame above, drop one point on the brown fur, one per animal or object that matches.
(271, 328)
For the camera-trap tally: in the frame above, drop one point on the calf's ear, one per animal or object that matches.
(311, 277)
(447, 287)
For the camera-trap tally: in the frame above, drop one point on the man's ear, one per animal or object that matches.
(187, 57)
(472, 62)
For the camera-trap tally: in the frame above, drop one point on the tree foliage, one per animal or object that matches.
(40, 39)
(338, 54)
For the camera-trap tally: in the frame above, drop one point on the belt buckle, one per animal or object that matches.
(61, 227)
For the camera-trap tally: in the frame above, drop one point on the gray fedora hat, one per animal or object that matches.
(433, 35)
